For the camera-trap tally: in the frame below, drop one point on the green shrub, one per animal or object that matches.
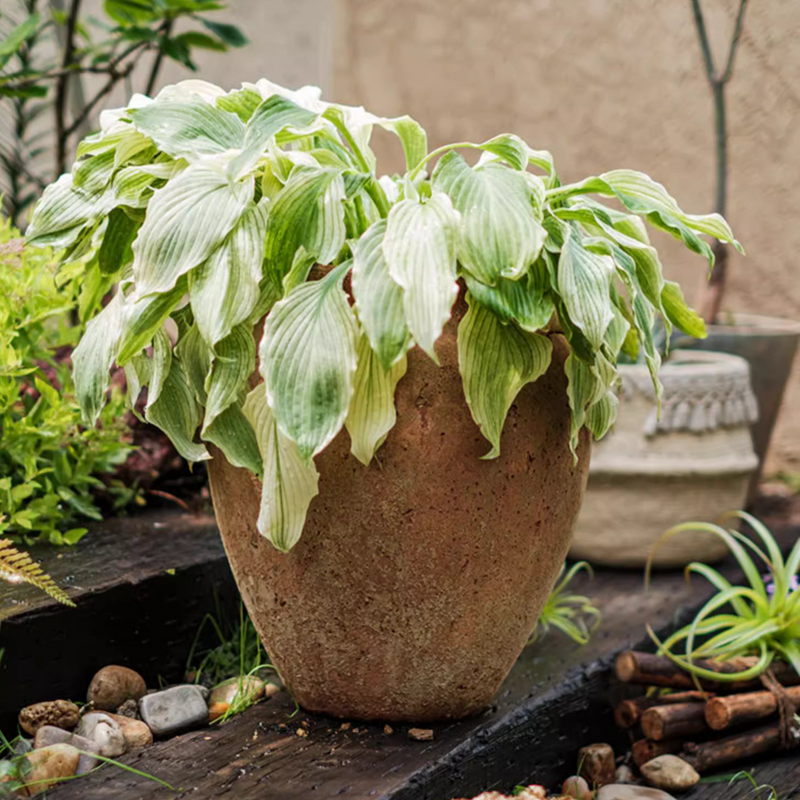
(49, 462)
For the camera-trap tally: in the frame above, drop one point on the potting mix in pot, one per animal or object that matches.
(393, 378)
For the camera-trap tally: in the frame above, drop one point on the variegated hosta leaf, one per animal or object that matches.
(223, 290)
(115, 251)
(308, 360)
(185, 222)
(289, 481)
(242, 102)
(372, 413)
(679, 313)
(526, 301)
(93, 174)
(142, 317)
(273, 115)
(644, 319)
(232, 433)
(93, 357)
(499, 235)
(583, 388)
(63, 212)
(412, 137)
(617, 331)
(234, 363)
(189, 129)
(177, 413)
(378, 299)
(496, 361)
(133, 186)
(509, 148)
(584, 283)
(307, 213)
(195, 357)
(160, 365)
(602, 415)
(420, 249)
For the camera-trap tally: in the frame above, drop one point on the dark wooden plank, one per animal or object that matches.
(142, 586)
(555, 700)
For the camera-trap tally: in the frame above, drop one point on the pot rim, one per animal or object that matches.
(692, 363)
(757, 324)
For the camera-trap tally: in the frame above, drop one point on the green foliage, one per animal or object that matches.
(49, 462)
(18, 567)
(232, 197)
(572, 614)
(45, 52)
(761, 618)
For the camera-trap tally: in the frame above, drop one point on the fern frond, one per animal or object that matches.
(16, 565)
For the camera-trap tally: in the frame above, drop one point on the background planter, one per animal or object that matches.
(693, 464)
(769, 345)
(418, 580)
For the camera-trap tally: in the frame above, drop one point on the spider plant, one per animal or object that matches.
(572, 614)
(760, 619)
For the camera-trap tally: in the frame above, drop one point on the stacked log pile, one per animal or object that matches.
(710, 724)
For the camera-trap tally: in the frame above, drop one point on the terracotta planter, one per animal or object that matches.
(417, 580)
(695, 463)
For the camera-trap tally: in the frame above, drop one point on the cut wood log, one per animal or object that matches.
(738, 709)
(629, 712)
(674, 721)
(645, 750)
(649, 669)
(713, 755)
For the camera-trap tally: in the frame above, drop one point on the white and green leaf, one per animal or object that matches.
(496, 360)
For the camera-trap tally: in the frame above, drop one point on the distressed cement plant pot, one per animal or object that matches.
(695, 463)
(418, 580)
(769, 345)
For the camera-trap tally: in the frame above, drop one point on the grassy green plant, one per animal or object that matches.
(761, 618)
(228, 199)
(49, 461)
(572, 614)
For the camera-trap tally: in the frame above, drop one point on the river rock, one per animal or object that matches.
(670, 772)
(47, 766)
(271, 689)
(136, 732)
(596, 763)
(105, 732)
(577, 788)
(624, 774)
(217, 710)
(130, 708)
(173, 710)
(237, 690)
(624, 791)
(113, 685)
(48, 735)
(58, 713)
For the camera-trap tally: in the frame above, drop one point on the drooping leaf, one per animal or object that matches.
(584, 283)
(177, 413)
(679, 313)
(289, 481)
(499, 234)
(307, 213)
(308, 361)
(420, 249)
(234, 435)
(63, 212)
(224, 289)
(189, 129)
(185, 222)
(526, 301)
(496, 361)
(583, 389)
(378, 299)
(372, 412)
(412, 137)
(93, 357)
(509, 148)
(195, 357)
(602, 415)
(115, 251)
(234, 363)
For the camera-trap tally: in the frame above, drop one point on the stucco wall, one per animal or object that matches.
(604, 84)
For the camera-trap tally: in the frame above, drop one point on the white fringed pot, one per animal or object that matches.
(692, 463)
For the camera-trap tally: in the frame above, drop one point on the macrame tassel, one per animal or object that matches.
(682, 415)
(714, 414)
(699, 420)
(751, 404)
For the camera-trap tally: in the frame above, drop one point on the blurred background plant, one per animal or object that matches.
(48, 48)
(49, 462)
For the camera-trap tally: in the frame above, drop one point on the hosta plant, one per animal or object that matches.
(209, 210)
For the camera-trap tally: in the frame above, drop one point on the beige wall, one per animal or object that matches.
(604, 84)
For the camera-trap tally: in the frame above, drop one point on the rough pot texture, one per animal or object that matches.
(417, 580)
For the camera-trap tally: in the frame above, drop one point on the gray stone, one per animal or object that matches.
(179, 708)
(105, 732)
(622, 791)
(48, 734)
